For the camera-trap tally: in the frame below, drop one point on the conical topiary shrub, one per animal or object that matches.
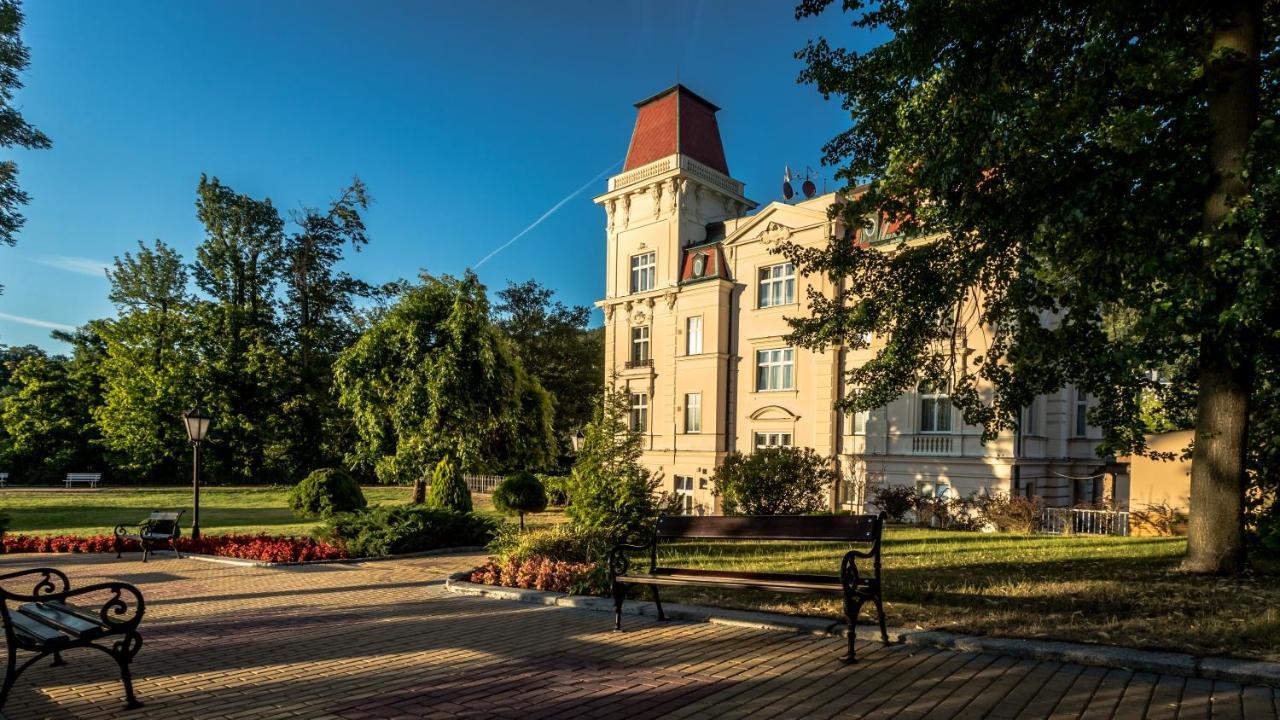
(448, 490)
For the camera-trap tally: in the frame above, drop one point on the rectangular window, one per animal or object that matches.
(860, 419)
(693, 335)
(684, 491)
(639, 346)
(931, 489)
(644, 272)
(935, 410)
(1082, 415)
(639, 412)
(693, 413)
(772, 439)
(1031, 418)
(777, 285)
(775, 369)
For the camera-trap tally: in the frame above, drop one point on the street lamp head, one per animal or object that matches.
(197, 421)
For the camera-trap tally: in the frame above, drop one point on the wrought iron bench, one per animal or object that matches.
(91, 478)
(160, 529)
(45, 623)
(850, 584)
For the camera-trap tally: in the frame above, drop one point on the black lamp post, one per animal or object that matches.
(197, 422)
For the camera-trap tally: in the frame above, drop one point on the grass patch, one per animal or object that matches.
(1124, 591)
(222, 509)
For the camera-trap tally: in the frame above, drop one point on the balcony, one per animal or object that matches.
(932, 445)
(633, 364)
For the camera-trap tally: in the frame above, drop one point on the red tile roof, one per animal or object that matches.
(676, 120)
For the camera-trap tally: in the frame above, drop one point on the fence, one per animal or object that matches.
(1061, 521)
(483, 483)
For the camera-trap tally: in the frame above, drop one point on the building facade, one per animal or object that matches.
(696, 305)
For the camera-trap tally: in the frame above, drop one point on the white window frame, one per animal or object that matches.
(776, 285)
(768, 439)
(940, 489)
(935, 409)
(693, 335)
(775, 369)
(684, 491)
(644, 272)
(692, 413)
(1031, 417)
(858, 421)
(640, 339)
(639, 412)
(1080, 418)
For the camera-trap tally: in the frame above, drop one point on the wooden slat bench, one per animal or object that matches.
(46, 623)
(849, 583)
(92, 479)
(161, 529)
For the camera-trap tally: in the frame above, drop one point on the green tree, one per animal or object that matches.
(15, 131)
(449, 490)
(431, 377)
(519, 494)
(1069, 160)
(609, 489)
(318, 317)
(243, 369)
(47, 427)
(555, 345)
(773, 481)
(148, 365)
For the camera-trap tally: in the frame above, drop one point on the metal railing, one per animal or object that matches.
(647, 362)
(482, 483)
(1067, 521)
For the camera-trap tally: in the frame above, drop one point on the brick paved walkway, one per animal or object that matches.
(384, 640)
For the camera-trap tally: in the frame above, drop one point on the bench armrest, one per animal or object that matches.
(123, 610)
(619, 563)
(44, 587)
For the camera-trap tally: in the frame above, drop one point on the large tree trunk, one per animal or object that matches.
(1215, 542)
(1215, 536)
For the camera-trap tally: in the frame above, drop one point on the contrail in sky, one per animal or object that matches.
(548, 213)
(36, 322)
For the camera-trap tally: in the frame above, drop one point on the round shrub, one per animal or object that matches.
(448, 490)
(773, 481)
(519, 494)
(324, 492)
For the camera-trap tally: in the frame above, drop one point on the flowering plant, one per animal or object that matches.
(537, 573)
(260, 547)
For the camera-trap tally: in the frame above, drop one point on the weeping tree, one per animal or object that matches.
(431, 377)
(1092, 184)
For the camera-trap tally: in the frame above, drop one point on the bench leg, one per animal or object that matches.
(619, 594)
(884, 632)
(57, 660)
(10, 676)
(131, 700)
(658, 601)
(852, 606)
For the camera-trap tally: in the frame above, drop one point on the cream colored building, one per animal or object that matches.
(695, 307)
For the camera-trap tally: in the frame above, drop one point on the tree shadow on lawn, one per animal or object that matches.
(79, 520)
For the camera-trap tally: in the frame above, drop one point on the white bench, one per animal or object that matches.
(4, 479)
(92, 478)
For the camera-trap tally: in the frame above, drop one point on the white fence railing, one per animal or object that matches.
(1063, 521)
(483, 483)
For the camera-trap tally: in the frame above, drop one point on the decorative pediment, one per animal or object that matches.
(774, 412)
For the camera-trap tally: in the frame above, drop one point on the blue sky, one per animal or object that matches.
(468, 122)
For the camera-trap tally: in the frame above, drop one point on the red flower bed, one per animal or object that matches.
(537, 573)
(262, 548)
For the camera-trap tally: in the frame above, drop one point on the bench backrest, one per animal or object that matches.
(849, 528)
(163, 522)
(84, 476)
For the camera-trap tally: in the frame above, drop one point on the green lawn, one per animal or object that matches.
(222, 509)
(1123, 591)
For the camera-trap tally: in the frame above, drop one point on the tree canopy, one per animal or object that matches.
(1097, 185)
